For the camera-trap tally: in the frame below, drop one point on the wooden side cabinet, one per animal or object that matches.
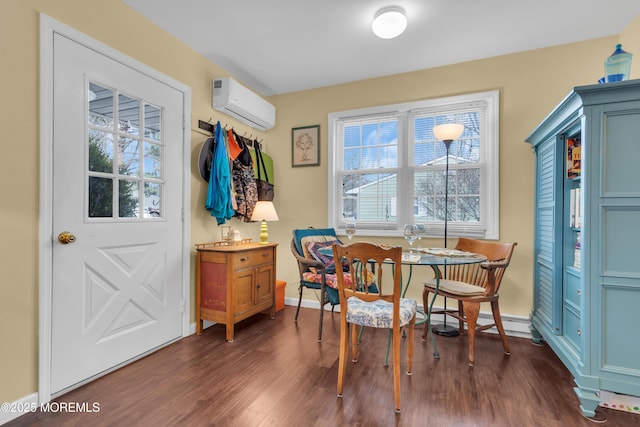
(234, 282)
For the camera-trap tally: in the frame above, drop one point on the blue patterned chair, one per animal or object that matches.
(382, 308)
(313, 270)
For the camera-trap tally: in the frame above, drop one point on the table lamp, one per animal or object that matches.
(264, 211)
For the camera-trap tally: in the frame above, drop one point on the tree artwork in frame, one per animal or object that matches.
(305, 146)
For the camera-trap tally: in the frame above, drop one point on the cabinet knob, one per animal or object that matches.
(579, 292)
(243, 259)
(579, 332)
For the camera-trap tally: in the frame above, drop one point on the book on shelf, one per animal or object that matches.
(575, 210)
(572, 208)
(578, 223)
(574, 157)
(577, 252)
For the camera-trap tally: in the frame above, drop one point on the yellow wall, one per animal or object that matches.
(530, 84)
(630, 39)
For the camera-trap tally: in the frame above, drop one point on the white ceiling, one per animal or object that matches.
(280, 46)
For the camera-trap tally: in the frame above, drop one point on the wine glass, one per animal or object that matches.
(410, 233)
(421, 231)
(350, 230)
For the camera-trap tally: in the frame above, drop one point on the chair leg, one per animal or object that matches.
(322, 299)
(355, 337)
(425, 304)
(498, 321)
(344, 353)
(410, 346)
(472, 310)
(396, 368)
(300, 288)
(460, 314)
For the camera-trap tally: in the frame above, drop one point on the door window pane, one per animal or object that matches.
(151, 122)
(100, 151)
(152, 199)
(100, 197)
(128, 200)
(100, 106)
(129, 156)
(152, 160)
(128, 115)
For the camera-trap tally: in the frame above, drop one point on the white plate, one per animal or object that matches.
(410, 257)
(447, 252)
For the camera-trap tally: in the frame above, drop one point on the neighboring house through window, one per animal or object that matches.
(386, 168)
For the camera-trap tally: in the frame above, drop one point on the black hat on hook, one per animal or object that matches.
(205, 157)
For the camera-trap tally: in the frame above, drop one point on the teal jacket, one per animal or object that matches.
(219, 196)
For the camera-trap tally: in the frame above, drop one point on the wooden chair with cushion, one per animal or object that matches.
(472, 284)
(381, 308)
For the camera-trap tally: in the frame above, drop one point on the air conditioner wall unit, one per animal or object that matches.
(232, 98)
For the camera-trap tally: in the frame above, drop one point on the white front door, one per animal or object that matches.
(117, 193)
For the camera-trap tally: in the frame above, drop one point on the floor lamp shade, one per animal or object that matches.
(448, 131)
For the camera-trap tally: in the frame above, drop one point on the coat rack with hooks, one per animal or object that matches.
(210, 127)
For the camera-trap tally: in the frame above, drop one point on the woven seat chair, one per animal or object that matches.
(381, 308)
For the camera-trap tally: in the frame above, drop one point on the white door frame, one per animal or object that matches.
(49, 27)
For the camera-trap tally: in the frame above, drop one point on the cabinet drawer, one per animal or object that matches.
(244, 260)
(214, 257)
(572, 291)
(572, 331)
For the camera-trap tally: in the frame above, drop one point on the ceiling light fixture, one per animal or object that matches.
(389, 22)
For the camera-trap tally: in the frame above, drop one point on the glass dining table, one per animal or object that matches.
(434, 258)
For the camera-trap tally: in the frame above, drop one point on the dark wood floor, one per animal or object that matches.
(276, 374)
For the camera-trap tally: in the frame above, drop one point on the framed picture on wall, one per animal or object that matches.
(305, 146)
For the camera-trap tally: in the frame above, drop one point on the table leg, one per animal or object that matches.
(436, 270)
(406, 286)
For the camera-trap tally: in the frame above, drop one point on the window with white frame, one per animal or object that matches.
(387, 169)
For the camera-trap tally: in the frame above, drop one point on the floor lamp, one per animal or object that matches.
(446, 133)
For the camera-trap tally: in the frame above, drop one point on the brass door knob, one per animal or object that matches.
(66, 237)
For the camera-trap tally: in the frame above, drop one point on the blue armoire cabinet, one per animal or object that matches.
(587, 238)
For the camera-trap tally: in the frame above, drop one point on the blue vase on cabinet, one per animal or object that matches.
(587, 238)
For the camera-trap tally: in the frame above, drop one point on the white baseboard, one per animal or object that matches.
(514, 326)
(12, 410)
